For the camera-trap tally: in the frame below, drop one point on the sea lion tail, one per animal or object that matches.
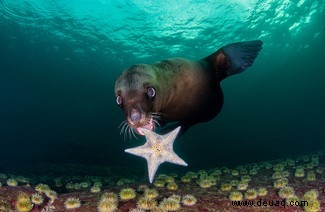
(234, 58)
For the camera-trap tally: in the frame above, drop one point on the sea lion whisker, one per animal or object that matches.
(158, 113)
(123, 127)
(129, 132)
(121, 124)
(134, 134)
(125, 131)
(156, 122)
(156, 116)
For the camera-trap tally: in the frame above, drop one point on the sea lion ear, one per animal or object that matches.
(234, 58)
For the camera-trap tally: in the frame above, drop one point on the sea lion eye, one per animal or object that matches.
(119, 100)
(151, 92)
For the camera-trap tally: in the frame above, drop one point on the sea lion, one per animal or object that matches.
(178, 89)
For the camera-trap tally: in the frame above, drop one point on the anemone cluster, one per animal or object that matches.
(171, 192)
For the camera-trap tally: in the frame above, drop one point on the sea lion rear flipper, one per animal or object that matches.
(234, 58)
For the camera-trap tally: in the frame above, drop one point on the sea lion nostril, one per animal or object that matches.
(135, 117)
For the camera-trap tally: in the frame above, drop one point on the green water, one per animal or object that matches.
(59, 60)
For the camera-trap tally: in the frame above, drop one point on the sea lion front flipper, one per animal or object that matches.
(234, 58)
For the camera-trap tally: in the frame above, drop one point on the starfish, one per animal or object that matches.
(157, 150)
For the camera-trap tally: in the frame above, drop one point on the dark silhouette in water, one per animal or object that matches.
(180, 90)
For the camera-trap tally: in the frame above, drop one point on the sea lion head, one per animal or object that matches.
(136, 91)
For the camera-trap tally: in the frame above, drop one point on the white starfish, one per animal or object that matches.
(157, 149)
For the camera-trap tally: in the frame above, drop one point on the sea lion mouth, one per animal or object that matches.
(147, 121)
(149, 126)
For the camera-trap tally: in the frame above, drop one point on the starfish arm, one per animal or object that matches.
(153, 164)
(141, 151)
(157, 150)
(151, 136)
(169, 138)
(173, 158)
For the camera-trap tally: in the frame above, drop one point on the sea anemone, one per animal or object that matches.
(189, 200)
(204, 183)
(278, 167)
(319, 170)
(169, 179)
(262, 192)
(280, 183)
(186, 179)
(243, 171)
(72, 203)
(51, 194)
(22, 179)
(22, 196)
(69, 186)
(105, 205)
(171, 186)
(151, 193)
(310, 195)
(234, 172)
(312, 206)
(161, 176)
(251, 194)
(42, 188)
(192, 175)
(146, 203)
(285, 174)
(234, 182)
(242, 186)
(5, 205)
(58, 184)
(12, 182)
(85, 184)
(175, 197)
(311, 176)
(202, 173)
(277, 175)
(127, 194)
(37, 199)
(286, 192)
(212, 179)
(109, 196)
(236, 196)
(77, 186)
(95, 189)
(120, 183)
(268, 165)
(292, 200)
(225, 187)
(159, 183)
(299, 173)
(98, 184)
(246, 178)
(142, 188)
(253, 172)
(168, 204)
(23, 203)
